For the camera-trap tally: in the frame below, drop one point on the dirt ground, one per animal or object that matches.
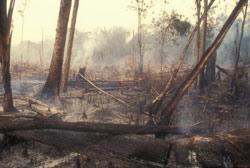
(216, 110)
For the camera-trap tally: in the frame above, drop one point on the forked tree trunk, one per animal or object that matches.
(5, 43)
(203, 47)
(66, 67)
(51, 88)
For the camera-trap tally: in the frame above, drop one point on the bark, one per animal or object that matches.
(198, 6)
(235, 88)
(69, 47)
(139, 12)
(214, 150)
(52, 86)
(142, 147)
(5, 44)
(237, 46)
(210, 70)
(157, 102)
(169, 109)
(107, 128)
(203, 47)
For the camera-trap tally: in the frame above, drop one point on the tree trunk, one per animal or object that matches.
(210, 70)
(106, 128)
(198, 6)
(237, 46)
(203, 47)
(162, 51)
(139, 11)
(5, 43)
(168, 111)
(214, 150)
(51, 88)
(69, 48)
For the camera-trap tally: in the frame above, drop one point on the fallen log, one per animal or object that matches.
(146, 148)
(107, 128)
(214, 150)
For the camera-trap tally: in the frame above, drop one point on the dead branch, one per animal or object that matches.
(108, 94)
(223, 70)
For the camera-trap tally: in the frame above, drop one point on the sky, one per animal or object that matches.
(40, 16)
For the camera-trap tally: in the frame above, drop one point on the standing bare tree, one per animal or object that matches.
(24, 4)
(5, 43)
(203, 46)
(198, 6)
(51, 88)
(141, 8)
(69, 47)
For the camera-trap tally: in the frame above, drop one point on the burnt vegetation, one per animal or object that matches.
(172, 93)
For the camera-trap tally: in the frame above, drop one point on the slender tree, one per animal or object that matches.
(198, 6)
(203, 46)
(66, 67)
(237, 47)
(140, 8)
(51, 88)
(5, 43)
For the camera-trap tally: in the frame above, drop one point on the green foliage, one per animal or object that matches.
(181, 26)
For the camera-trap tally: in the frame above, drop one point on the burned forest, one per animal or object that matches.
(124, 84)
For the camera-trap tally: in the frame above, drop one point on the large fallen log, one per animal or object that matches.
(108, 128)
(142, 147)
(215, 150)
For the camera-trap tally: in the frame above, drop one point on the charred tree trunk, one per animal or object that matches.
(203, 47)
(198, 6)
(51, 88)
(235, 88)
(69, 48)
(168, 111)
(212, 150)
(5, 43)
(210, 70)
